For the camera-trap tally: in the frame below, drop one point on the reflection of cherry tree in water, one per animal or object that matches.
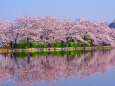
(29, 70)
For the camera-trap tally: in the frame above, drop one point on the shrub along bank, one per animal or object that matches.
(45, 45)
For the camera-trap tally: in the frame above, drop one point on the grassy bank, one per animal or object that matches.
(56, 49)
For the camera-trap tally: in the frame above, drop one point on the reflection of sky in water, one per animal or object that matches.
(101, 74)
(106, 79)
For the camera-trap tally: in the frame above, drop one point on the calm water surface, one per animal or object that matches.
(71, 68)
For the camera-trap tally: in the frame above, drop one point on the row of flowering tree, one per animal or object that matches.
(50, 30)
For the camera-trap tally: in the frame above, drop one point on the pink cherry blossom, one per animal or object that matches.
(50, 29)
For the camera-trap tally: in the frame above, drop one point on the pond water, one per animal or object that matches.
(70, 68)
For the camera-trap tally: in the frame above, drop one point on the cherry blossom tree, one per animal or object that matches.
(50, 29)
(27, 27)
(4, 38)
